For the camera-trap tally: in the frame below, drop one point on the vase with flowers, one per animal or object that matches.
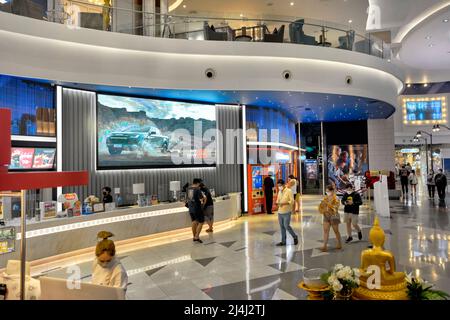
(342, 280)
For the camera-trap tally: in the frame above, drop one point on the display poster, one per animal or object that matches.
(71, 204)
(257, 181)
(48, 209)
(21, 158)
(44, 158)
(311, 169)
(32, 158)
(424, 110)
(138, 133)
(7, 240)
(347, 164)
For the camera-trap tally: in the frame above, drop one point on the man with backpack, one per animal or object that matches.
(195, 203)
(441, 184)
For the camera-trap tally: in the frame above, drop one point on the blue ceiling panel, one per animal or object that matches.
(300, 106)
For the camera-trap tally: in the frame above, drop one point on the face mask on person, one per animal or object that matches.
(105, 193)
(280, 188)
(105, 264)
(329, 193)
(349, 191)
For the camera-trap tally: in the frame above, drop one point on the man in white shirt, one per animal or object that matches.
(285, 201)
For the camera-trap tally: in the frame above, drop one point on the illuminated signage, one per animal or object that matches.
(420, 111)
(410, 150)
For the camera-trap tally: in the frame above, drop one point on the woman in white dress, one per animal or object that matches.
(107, 269)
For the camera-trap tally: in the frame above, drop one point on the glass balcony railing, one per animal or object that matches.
(93, 15)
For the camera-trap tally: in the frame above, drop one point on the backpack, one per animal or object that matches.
(190, 203)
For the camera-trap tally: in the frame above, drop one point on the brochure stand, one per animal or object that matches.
(381, 197)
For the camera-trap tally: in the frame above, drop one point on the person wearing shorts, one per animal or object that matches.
(208, 209)
(351, 201)
(329, 209)
(195, 205)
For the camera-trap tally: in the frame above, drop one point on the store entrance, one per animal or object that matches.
(311, 160)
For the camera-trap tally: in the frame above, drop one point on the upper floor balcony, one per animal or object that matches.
(96, 15)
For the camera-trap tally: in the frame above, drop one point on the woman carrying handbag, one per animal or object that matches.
(331, 219)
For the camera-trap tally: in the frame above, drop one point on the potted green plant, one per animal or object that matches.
(419, 289)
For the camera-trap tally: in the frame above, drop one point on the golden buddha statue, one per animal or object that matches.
(392, 284)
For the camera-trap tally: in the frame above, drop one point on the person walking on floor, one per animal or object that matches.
(413, 182)
(268, 192)
(329, 209)
(208, 208)
(441, 184)
(195, 206)
(431, 184)
(285, 201)
(351, 201)
(404, 174)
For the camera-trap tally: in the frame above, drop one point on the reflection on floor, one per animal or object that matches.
(244, 263)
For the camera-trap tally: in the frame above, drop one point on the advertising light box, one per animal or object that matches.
(32, 158)
(146, 133)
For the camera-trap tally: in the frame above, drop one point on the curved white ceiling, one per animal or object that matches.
(428, 46)
(39, 49)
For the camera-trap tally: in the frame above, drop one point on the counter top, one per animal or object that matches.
(63, 235)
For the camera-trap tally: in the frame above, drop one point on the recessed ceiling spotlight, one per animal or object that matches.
(388, 60)
(428, 37)
(445, 20)
(431, 45)
(241, 15)
(425, 85)
(409, 85)
(350, 21)
(292, 3)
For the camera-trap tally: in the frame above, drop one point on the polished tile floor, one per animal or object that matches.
(243, 262)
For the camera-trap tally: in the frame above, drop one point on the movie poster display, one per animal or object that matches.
(21, 158)
(144, 133)
(32, 158)
(347, 164)
(311, 169)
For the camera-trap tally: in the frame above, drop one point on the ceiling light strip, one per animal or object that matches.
(98, 222)
(405, 30)
(274, 144)
(34, 139)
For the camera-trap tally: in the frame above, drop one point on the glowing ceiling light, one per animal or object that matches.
(175, 5)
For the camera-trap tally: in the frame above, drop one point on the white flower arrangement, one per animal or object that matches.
(342, 279)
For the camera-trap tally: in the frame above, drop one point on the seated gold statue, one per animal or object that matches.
(392, 283)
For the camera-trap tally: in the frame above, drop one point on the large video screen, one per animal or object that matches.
(347, 164)
(424, 110)
(145, 133)
(32, 158)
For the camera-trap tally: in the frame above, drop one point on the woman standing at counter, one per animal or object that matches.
(107, 269)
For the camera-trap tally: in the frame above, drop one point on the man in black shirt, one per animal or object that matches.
(195, 205)
(268, 192)
(441, 183)
(351, 201)
(404, 175)
(107, 197)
